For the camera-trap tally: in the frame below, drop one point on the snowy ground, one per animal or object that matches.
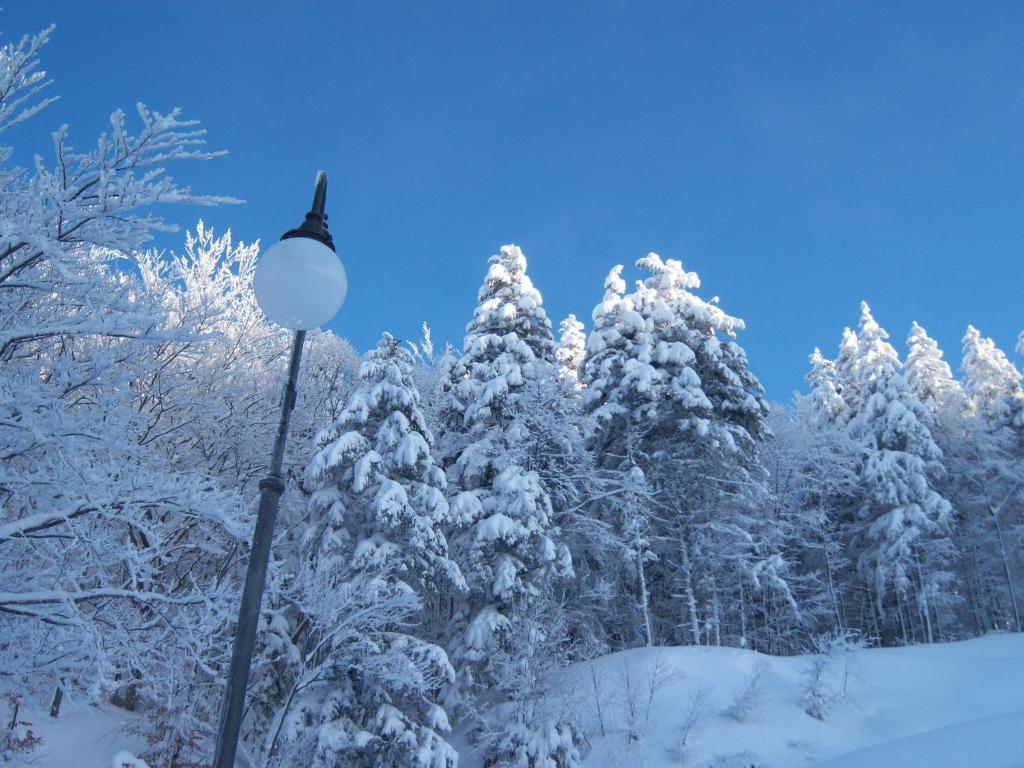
(957, 705)
(81, 738)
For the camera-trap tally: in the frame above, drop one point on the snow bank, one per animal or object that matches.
(940, 706)
(84, 737)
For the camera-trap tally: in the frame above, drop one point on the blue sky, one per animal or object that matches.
(800, 156)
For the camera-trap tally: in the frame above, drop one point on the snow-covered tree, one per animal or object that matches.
(571, 349)
(903, 548)
(984, 470)
(106, 547)
(375, 558)
(670, 394)
(812, 466)
(845, 373)
(825, 404)
(929, 376)
(505, 538)
(985, 464)
(992, 383)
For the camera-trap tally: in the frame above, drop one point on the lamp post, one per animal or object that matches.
(300, 284)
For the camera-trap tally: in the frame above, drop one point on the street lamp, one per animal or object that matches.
(300, 284)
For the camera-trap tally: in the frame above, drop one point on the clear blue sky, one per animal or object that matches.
(800, 156)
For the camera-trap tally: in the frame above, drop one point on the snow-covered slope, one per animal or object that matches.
(953, 705)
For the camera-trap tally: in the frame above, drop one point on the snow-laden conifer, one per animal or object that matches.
(846, 375)
(928, 375)
(825, 404)
(991, 382)
(904, 522)
(375, 556)
(502, 512)
(670, 393)
(571, 348)
(504, 534)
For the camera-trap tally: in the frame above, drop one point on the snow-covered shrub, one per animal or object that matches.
(827, 676)
(548, 744)
(750, 695)
(16, 737)
(744, 759)
(536, 720)
(696, 713)
(636, 693)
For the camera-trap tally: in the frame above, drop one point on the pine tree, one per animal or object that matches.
(929, 376)
(813, 476)
(846, 375)
(992, 383)
(903, 546)
(612, 405)
(987, 463)
(571, 348)
(983, 468)
(825, 403)
(504, 537)
(670, 395)
(375, 556)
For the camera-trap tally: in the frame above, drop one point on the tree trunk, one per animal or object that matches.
(691, 598)
(716, 612)
(58, 697)
(903, 621)
(1006, 570)
(645, 609)
(831, 582)
(970, 579)
(923, 600)
(743, 616)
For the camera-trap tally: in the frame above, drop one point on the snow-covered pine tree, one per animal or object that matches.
(987, 463)
(902, 541)
(824, 405)
(504, 538)
(571, 348)
(992, 383)
(669, 393)
(375, 557)
(813, 478)
(813, 470)
(931, 381)
(612, 437)
(929, 376)
(846, 376)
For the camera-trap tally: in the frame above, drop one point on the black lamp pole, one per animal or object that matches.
(271, 488)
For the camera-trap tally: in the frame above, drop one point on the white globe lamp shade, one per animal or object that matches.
(300, 283)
